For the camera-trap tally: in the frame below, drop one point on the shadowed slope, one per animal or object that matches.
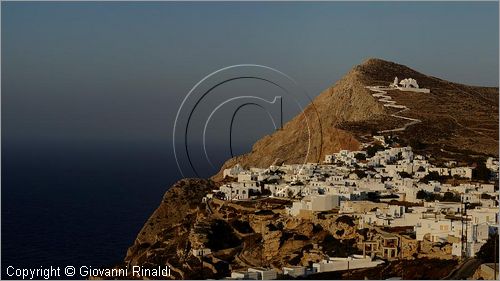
(462, 117)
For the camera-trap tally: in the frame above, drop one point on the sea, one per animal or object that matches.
(78, 203)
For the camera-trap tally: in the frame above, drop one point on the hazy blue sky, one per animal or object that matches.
(119, 71)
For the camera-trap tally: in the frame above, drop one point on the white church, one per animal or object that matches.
(408, 84)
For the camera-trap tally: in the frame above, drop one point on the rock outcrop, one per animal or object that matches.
(314, 132)
(238, 235)
(167, 235)
(455, 117)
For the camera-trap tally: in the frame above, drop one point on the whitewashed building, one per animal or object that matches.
(464, 172)
(233, 172)
(314, 203)
(351, 262)
(238, 190)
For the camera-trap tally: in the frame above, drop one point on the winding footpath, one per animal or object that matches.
(383, 97)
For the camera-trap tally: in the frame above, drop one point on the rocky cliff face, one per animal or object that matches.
(454, 117)
(244, 235)
(186, 196)
(166, 237)
(458, 119)
(315, 132)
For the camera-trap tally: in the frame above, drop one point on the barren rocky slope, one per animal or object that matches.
(457, 121)
(240, 235)
(254, 233)
(314, 132)
(455, 117)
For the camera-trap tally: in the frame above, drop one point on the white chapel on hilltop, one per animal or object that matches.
(408, 84)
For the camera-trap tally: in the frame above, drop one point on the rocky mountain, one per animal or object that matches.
(456, 119)
(258, 233)
(162, 240)
(239, 235)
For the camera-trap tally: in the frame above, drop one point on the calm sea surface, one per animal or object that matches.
(78, 204)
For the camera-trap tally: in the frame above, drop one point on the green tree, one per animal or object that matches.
(373, 196)
(421, 194)
(404, 174)
(487, 251)
(481, 172)
(451, 197)
(266, 192)
(486, 196)
(372, 149)
(432, 176)
(360, 173)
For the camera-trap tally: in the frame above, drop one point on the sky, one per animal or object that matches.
(90, 93)
(116, 71)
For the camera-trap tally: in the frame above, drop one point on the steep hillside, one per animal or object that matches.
(455, 118)
(315, 132)
(164, 237)
(454, 121)
(240, 235)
